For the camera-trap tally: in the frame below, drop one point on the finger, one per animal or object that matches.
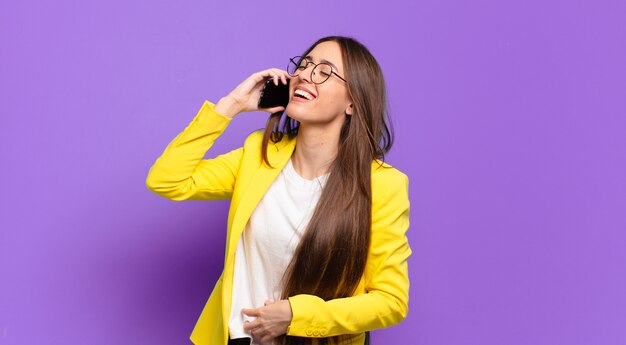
(274, 109)
(266, 338)
(273, 73)
(283, 75)
(278, 71)
(256, 337)
(249, 326)
(260, 77)
(268, 302)
(258, 334)
(287, 77)
(262, 335)
(251, 312)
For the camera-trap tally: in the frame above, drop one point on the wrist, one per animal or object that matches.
(227, 107)
(287, 310)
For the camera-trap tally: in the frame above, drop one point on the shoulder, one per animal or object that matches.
(390, 187)
(385, 176)
(254, 139)
(276, 151)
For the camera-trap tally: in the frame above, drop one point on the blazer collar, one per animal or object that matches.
(278, 154)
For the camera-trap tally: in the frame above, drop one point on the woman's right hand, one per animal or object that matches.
(245, 97)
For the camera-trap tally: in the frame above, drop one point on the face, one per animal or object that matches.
(328, 103)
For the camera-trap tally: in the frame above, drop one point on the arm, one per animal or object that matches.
(180, 172)
(386, 282)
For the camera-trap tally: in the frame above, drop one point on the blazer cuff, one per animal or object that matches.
(302, 324)
(207, 116)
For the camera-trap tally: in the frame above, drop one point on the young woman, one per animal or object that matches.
(316, 249)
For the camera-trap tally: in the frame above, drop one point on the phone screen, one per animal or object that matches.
(274, 95)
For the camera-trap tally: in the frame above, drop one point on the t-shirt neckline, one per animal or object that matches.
(292, 175)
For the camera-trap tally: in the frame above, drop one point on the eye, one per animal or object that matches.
(325, 70)
(304, 63)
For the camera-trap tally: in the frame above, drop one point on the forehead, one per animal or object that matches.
(329, 51)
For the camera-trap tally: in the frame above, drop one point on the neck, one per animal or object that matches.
(315, 151)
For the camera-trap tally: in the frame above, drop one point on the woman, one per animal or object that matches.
(316, 242)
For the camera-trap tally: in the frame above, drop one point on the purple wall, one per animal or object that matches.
(511, 124)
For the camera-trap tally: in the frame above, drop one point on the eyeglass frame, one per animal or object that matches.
(313, 69)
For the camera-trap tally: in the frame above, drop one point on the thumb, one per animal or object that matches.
(273, 109)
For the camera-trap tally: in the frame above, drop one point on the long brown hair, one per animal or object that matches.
(330, 258)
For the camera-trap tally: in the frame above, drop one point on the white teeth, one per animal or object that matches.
(303, 94)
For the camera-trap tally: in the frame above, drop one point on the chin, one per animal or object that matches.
(295, 112)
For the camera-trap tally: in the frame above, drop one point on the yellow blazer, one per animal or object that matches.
(381, 299)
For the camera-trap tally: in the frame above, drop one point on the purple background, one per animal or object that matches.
(511, 124)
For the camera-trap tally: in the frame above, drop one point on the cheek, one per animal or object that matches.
(335, 97)
(335, 105)
(337, 102)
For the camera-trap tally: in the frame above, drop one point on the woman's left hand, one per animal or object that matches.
(271, 320)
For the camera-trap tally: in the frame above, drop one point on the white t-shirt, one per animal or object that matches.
(269, 241)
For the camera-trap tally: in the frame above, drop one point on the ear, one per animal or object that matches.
(349, 109)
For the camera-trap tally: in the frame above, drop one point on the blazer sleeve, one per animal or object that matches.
(385, 301)
(180, 173)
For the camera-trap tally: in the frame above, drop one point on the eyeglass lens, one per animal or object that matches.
(319, 74)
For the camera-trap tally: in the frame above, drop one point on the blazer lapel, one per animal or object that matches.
(278, 154)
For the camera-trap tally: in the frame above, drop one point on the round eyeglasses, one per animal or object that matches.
(319, 74)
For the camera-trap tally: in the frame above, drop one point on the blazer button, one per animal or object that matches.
(309, 331)
(323, 331)
(316, 332)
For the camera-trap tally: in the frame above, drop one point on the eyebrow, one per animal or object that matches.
(309, 57)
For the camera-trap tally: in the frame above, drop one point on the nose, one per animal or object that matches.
(306, 74)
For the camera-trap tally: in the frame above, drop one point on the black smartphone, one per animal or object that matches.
(274, 95)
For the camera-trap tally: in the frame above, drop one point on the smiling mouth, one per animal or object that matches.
(299, 93)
